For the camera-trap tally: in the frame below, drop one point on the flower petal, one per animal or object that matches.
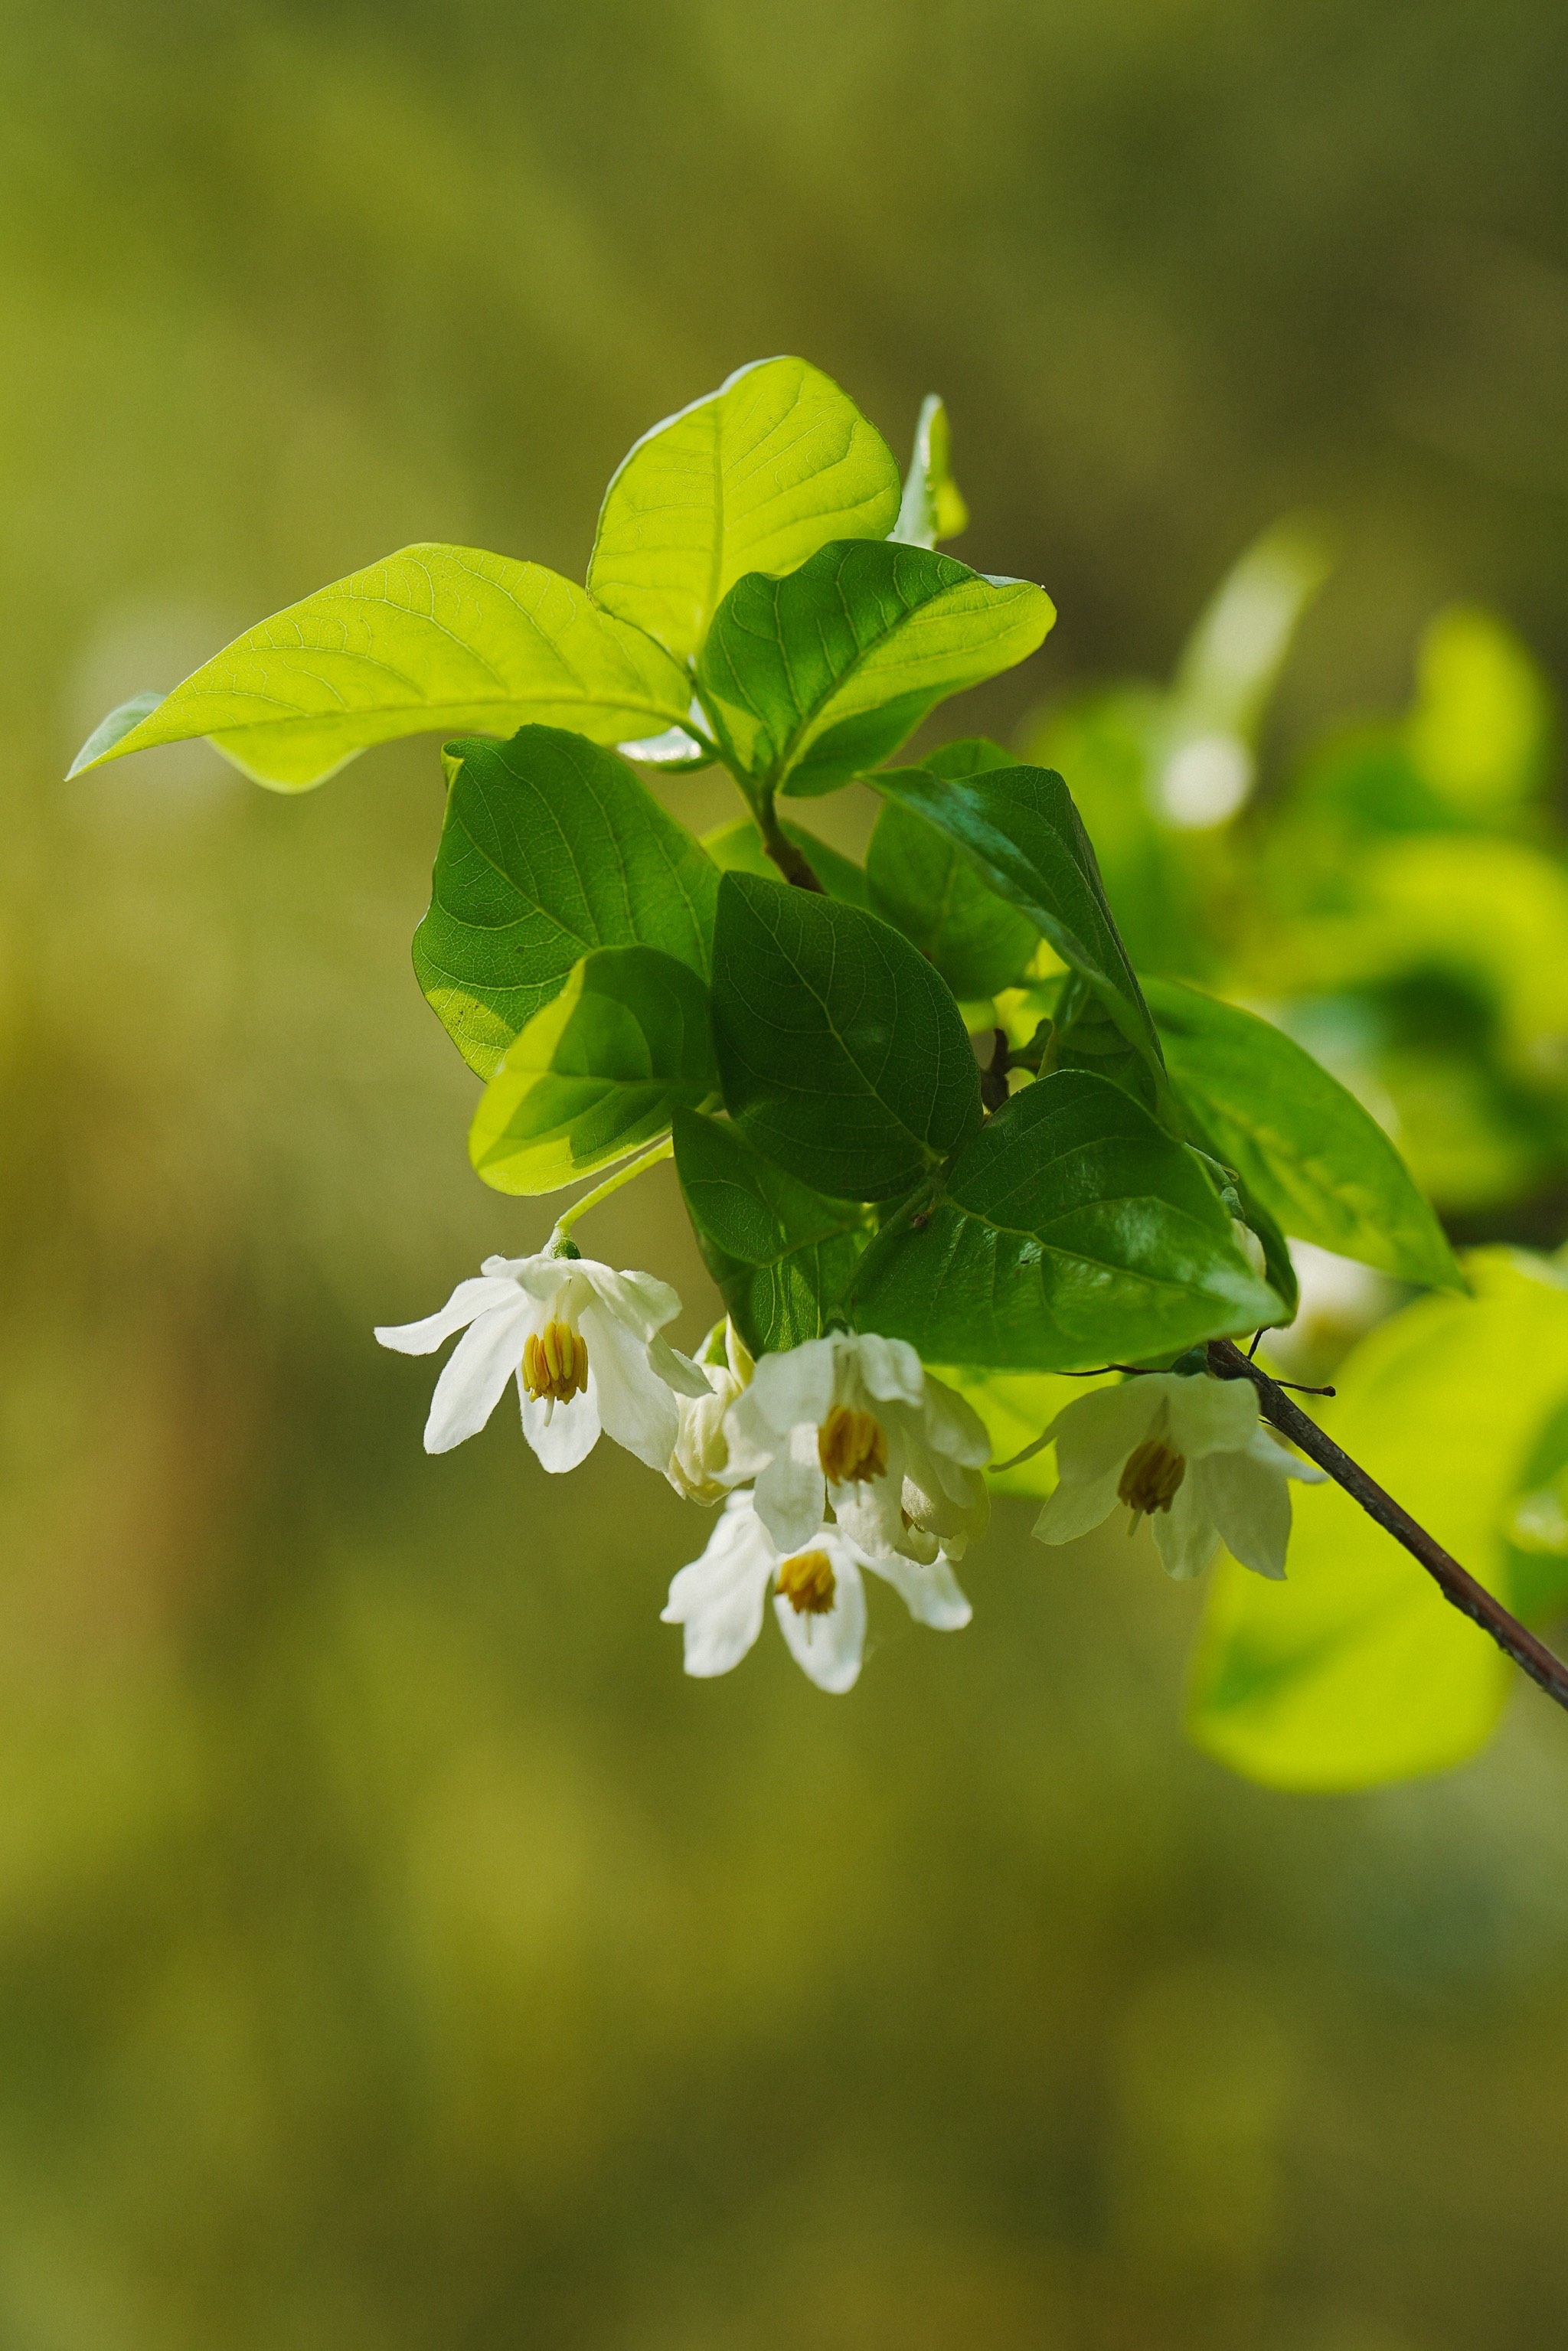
(830, 1648)
(677, 1371)
(635, 1407)
(790, 1490)
(1096, 1432)
(1210, 1416)
(471, 1299)
(1185, 1535)
(1077, 1505)
(953, 1427)
(641, 1301)
(787, 1389)
(889, 1369)
(563, 1435)
(1250, 1502)
(474, 1374)
(719, 1597)
(931, 1594)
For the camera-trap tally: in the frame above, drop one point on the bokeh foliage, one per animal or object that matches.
(394, 1950)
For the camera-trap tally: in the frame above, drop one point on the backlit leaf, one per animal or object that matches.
(755, 477)
(1356, 1669)
(933, 507)
(817, 676)
(597, 1074)
(435, 638)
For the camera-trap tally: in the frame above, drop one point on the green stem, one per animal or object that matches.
(634, 1168)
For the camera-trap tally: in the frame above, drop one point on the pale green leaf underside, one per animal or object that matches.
(932, 508)
(1301, 1144)
(1356, 1669)
(445, 639)
(597, 1074)
(753, 477)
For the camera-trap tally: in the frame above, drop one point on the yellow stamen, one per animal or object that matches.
(851, 1446)
(808, 1583)
(1151, 1478)
(555, 1364)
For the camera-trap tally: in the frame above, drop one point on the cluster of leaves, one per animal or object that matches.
(1398, 899)
(927, 1094)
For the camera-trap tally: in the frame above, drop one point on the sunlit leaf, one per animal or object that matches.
(842, 1054)
(550, 847)
(435, 638)
(755, 477)
(781, 1252)
(1481, 727)
(815, 677)
(933, 507)
(1019, 827)
(1072, 1231)
(597, 1074)
(1304, 1147)
(1356, 1669)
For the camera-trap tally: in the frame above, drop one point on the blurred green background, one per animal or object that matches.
(394, 1950)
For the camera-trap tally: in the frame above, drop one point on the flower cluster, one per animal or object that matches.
(841, 1458)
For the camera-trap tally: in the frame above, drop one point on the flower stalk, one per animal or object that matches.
(1457, 1586)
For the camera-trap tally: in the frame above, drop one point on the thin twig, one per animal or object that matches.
(1227, 1361)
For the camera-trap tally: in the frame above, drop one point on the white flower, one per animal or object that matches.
(584, 1345)
(819, 1596)
(697, 1464)
(1191, 1454)
(858, 1422)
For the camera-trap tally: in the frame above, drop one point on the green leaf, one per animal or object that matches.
(932, 506)
(815, 677)
(550, 847)
(1303, 1145)
(1022, 830)
(1356, 1670)
(598, 1073)
(445, 638)
(737, 848)
(842, 1054)
(1071, 1232)
(923, 881)
(755, 477)
(1480, 732)
(781, 1253)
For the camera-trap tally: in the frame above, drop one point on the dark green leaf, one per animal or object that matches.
(819, 675)
(597, 1074)
(782, 1254)
(550, 847)
(1072, 1231)
(737, 848)
(754, 477)
(842, 1054)
(1304, 1147)
(923, 881)
(1021, 828)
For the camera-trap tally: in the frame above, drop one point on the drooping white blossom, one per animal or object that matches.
(857, 1422)
(1191, 1454)
(584, 1345)
(700, 1458)
(819, 1596)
